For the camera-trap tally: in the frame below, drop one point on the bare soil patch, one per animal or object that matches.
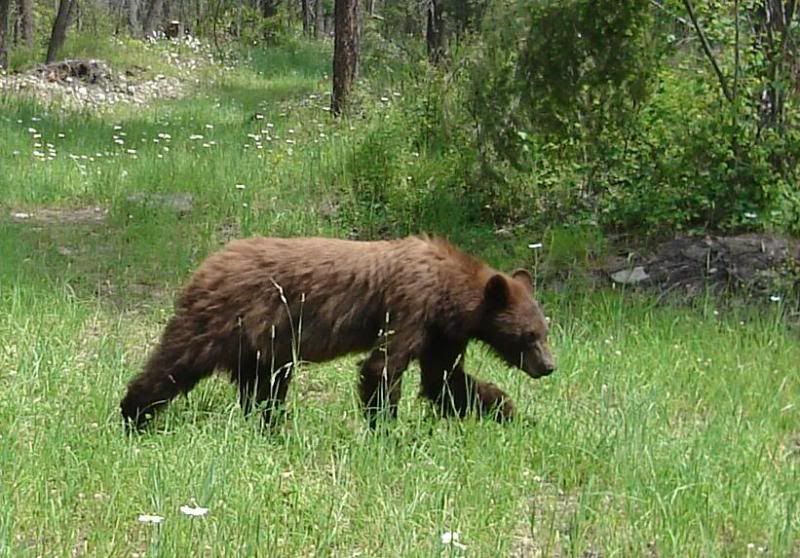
(754, 264)
(60, 216)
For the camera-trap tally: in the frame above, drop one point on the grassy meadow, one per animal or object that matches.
(666, 431)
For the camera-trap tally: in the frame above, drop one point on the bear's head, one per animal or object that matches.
(513, 324)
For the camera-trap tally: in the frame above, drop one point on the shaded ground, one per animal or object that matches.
(752, 264)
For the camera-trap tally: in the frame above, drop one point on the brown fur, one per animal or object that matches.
(261, 304)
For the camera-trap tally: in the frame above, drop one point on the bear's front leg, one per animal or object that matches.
(454, 392)
(492, 401)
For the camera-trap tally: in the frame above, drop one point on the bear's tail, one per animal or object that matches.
(174, 367)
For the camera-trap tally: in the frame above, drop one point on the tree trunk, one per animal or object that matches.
(319, 19)
(239, 12)
(4, 33)
(25, 22)
(345, 53)
(153, 15)
(318, 15)
(306, 17)
(773, 24)
(434, 37)
(59, 33)
(76, 11)
(269, 8)
(133, 18)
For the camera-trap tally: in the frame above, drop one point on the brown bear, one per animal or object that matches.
(261, 305)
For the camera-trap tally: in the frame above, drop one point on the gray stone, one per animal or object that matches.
(630, 276)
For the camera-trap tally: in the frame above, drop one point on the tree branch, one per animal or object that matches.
(707, 49)
(678, 18)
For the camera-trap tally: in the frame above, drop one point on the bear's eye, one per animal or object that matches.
(529, 337)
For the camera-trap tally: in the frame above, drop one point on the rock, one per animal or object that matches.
(630, 276)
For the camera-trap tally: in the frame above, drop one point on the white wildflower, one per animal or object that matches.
(150, 518)
(194, 511)
(451, 539)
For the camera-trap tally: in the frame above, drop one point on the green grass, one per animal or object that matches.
(666, 431)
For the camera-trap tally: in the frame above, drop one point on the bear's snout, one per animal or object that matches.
(541, 362)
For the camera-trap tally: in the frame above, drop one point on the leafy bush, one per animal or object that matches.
(599, 115)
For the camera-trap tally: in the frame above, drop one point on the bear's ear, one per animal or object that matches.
(497, 291)
(524, 277)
